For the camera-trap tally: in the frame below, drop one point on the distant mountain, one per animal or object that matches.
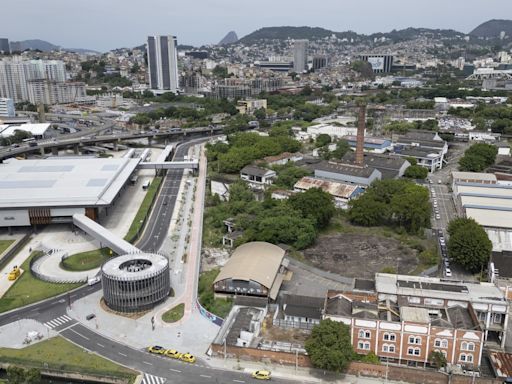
(492, 29)
(40, 45)
(45, 46)
(230, 38)
(309, 33)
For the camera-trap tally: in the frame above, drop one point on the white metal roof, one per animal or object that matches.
(485, 189)
(34, 129)
(473, 176)
(58, 182)
(484, 201)
(490, 217)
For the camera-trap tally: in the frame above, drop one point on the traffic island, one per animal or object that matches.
(175, 314)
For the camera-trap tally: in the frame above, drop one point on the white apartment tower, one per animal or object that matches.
(163, 63)
(300, 57)
(7, 108)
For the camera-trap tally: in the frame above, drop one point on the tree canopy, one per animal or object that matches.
(314, 204)
(416, 172)
(329, 346)
(392, 202)
(469, 244)
(478, 157)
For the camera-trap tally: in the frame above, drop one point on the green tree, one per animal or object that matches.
(239, 191)
(32, 376)
(469, 245)
(220, 72)
(367, 212)
(289, 174)
(342, 147)
(416, 172)
(437, 359)
(322, 140)
(478, 157)
(411, 208)
(314, 204)
(260, 114)
(329, 346)
(15, 375)
(293, 230)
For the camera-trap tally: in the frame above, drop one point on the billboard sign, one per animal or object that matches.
(377, 63)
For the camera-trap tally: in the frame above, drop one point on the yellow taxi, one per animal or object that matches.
(14, 274)
(156, 349)
(261, 375)
(173, 353)
(188, 358)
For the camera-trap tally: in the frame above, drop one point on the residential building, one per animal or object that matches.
(163, 63)
(4, 46)
(16, 75)
(319, 62)
(257, 177)
(346, 173)
(407, 318)
(300, 57)
(7, 108)
(52, 92)
(341, 193)
(295, 311)
(250, 106)
(426, 147)
(283, 158)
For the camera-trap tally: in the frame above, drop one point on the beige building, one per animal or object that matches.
(247, 107)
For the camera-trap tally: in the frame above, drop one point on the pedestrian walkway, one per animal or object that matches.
(151, 379)
(57, 322)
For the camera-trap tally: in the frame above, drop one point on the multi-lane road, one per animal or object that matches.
(156, 369)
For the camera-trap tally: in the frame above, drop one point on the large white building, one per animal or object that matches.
(17, 74)
(163, 63)
(7, 107)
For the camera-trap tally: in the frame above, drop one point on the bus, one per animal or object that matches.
(146, 184)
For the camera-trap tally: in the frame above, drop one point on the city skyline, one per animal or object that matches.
(218, 17)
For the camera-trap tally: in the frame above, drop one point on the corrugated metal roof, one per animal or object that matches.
(491, 218)
(473, 176)
(486, 201)
(257, 261)
(333, 188)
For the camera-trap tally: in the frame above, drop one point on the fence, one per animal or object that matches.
(210, 316)
(13, 250)
(39, 258)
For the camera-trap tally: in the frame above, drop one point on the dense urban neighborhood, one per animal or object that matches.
(297, 205)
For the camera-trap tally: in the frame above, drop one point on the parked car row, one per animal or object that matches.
(158, 350)
(444, 254)
(436, 208)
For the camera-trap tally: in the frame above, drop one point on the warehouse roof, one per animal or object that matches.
(473, 176)
(486, 201)
(257, 261)
(34, 129)
(332, 187)
(345, 169)
(489, 217)
(57, 182)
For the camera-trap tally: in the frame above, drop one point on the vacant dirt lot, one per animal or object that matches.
(360, 255)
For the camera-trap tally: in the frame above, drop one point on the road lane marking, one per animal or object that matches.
(122, 354)
(100, 345)
(238, 381)
(205, 376)
(145, 362)
(175, 370)
(79, 334)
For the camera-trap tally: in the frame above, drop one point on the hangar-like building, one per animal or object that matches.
(254, 269)
(52, 190)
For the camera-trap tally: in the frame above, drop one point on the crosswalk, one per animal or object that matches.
(150, 379)
(57, 322)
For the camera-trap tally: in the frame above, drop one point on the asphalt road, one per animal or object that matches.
(53, 311)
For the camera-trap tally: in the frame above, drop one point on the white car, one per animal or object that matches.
(438, 217)
(448, 272)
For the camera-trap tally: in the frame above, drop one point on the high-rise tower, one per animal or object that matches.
(163, 63)
(300, 57)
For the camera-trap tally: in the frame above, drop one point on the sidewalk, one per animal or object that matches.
(301, 375)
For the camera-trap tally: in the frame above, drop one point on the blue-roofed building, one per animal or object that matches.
(371, 144)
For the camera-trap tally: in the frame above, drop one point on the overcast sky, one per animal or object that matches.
(106, 24)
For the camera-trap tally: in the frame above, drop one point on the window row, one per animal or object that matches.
(363, 345)
(413, 351)
(390, 348)
(466, 357)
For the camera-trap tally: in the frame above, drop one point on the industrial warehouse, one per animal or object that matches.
(53, 190)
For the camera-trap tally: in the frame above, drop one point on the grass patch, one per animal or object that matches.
(27, 289)
(143, 211)
(4, 244)
(60, 354)
(174, 314)
(86, 261)
(219, 307)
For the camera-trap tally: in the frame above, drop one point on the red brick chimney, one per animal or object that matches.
(360, 136)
